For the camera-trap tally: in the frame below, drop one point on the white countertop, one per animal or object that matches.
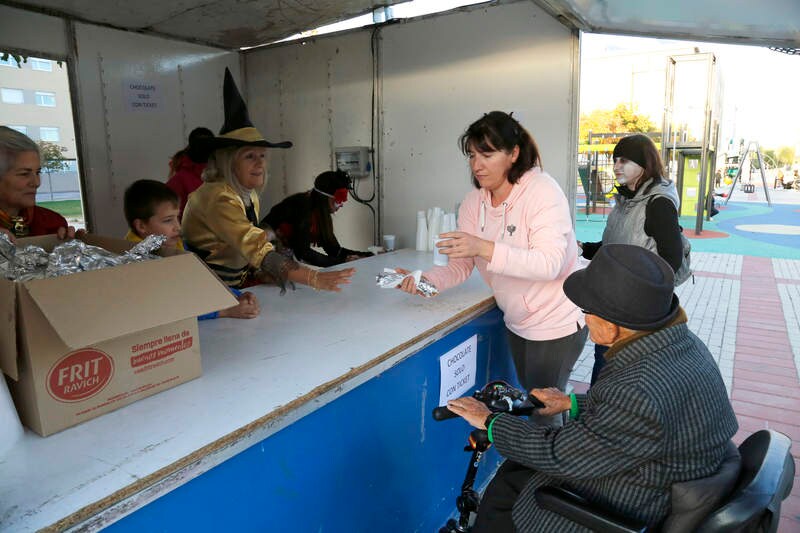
(259, 375)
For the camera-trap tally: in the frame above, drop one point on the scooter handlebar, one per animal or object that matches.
(499, 397)
(443, 413)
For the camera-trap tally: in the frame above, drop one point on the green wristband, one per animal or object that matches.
(573, 408)
(489, 427)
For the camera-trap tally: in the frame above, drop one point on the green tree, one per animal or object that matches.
(770, 157)
(785, 155)
(53, 159)
(16, 57)
(622, 119)
(20, 59)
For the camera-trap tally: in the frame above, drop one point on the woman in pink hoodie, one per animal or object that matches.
(516, 228)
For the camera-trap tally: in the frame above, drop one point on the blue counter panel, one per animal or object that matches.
(371, 460)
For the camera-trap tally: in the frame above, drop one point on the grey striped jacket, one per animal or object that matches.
(658, 414)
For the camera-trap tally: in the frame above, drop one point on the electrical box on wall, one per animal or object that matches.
(354, 160)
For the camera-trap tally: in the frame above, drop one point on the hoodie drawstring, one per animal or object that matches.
(482, 217)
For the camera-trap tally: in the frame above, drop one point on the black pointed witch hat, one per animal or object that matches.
(238, 130)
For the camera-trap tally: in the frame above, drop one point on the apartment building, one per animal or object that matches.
(35, 100)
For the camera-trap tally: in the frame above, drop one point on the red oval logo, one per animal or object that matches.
(79, 375)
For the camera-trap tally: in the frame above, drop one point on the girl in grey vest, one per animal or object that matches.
(645, 213)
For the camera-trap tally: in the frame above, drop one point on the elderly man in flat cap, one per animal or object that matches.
(658, 414)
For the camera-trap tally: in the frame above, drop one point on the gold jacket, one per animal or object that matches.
(216, 228)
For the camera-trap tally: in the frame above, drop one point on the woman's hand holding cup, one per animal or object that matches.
(462, 245)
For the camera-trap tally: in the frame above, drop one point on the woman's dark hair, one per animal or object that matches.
(327, 182)
(655, 166)
(195, 152)
(500, 131)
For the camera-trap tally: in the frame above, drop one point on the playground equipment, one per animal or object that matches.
(691, 129)
(688, 141)
(596, 167)
(749, 187)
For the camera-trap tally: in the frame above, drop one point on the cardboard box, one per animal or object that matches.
(81, 345)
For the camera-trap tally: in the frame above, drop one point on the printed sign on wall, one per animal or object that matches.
(142, 95)
(457, 369)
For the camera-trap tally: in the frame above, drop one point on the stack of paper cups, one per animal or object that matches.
(434, 226)
(448, 222)
(422, 232)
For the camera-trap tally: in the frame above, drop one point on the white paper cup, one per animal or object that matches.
(439, 258)
(388, 242)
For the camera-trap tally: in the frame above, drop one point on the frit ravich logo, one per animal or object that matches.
(79, 375)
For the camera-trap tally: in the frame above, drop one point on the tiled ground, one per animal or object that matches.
(786, 268)
(747, 311)
(718, 263)
(790, 300)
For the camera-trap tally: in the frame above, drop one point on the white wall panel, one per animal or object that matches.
(318, 96)
(442, 73)
(121, 145)
(438, 74)
(32, 32)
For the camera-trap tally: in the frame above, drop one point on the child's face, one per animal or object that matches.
(163, 222)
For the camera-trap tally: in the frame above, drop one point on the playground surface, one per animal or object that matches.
(744, 303)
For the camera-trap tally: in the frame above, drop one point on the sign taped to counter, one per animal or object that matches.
(457, 369)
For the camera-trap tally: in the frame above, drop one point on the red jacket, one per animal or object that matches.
(40, 221)
(186, 179)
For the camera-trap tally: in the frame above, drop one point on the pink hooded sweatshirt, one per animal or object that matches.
(534, 251)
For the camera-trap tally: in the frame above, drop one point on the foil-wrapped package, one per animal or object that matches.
(7, 248)
(33, 262)
(145, 250)
(390, 278)
(7, 253)
(77, 256)
(23, 264)
(29, 263)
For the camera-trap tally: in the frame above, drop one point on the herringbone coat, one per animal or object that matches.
(657, 415)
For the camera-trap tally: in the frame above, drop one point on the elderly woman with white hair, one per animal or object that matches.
(220, 222)
(20, 167)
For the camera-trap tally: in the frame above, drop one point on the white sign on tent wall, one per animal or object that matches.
(142, 95)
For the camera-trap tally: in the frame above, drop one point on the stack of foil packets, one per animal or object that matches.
(33, 262)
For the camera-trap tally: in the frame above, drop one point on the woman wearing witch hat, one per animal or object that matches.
(304, 219)
(220, 222)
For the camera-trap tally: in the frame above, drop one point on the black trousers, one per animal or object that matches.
(494, 512)
(541, 364)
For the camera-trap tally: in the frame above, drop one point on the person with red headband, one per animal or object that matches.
(304, 219)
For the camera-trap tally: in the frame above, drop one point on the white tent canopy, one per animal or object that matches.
(232, 24)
